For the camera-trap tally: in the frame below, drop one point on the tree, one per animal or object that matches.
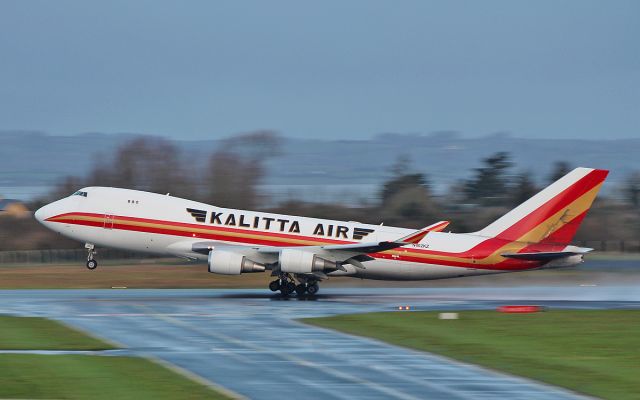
(401, 166)
(258, 146)
(144, 163)
(406, 199)
(560, 169)
(402, 179)
(401, 183)
(64, 188)
(489, 185)
(523, 189)
(237, 167)
(632, 189)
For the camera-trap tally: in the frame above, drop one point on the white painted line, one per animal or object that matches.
(343, 375)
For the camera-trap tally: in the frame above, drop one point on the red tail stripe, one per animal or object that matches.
(565, 234)
(557, 203)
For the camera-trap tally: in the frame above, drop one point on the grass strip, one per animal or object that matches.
(36, 376)
(596, 352)
(33, 333)
(94, 377)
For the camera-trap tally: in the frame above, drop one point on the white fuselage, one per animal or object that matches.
(162, 224)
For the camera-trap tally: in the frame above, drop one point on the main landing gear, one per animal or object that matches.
(286, 285)
(91, 262)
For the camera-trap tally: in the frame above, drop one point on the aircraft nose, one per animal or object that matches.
(42, 213)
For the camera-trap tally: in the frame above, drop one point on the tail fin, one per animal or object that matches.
(554, 215)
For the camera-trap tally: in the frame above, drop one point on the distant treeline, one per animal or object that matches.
(233, 173)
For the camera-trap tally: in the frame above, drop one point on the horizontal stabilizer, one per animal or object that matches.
(546, 256)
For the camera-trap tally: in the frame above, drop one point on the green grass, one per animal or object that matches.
(93, 377)
(32, 333)
(603, 255)
(36, 376)
(593, 352)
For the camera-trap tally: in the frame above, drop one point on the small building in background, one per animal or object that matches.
(13, 208)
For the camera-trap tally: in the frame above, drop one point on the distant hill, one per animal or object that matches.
(37, 161)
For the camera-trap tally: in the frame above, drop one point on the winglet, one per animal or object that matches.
(415, 237)
(438, 226)
(418, 235)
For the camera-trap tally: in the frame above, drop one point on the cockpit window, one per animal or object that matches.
(80, 193)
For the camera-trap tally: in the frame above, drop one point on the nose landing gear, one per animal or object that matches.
(91, 262)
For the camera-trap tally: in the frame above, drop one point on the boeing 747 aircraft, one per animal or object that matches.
(299, 252)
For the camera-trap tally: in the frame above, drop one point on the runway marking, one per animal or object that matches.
(197, 378)
(506, 379)
(146, 315)
(421, 381)
(299, 361)
(323, 388)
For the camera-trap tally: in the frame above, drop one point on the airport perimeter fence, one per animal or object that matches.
(613, 246)
(63, 256)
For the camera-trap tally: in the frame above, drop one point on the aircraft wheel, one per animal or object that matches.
(92, 264)
(301, 289)
(286, 288)
(274, 286)
(313, 288)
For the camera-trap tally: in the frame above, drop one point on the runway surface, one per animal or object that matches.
(249, 342)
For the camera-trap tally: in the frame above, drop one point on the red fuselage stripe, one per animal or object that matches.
(277, 239)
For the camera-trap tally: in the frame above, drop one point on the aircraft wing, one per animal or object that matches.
(351, 253)
(352, 248)
(371, 247)
(356, 253)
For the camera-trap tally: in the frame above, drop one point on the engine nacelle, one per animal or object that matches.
(231, 263)
(303, 262)
(565, 262)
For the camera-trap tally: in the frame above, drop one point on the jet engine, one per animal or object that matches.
(570, 261)
(232, 263)
(301, 262)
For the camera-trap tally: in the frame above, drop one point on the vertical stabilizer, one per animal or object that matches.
(553, 215)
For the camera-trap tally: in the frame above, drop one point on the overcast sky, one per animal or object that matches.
(335, 69)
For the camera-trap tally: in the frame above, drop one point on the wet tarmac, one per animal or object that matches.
(249, 341)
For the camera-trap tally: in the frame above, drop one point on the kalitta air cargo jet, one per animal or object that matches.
(299, 252)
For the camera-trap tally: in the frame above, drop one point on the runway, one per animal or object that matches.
(249, 342)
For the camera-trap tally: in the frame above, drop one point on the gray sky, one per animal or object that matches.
(336, 69)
